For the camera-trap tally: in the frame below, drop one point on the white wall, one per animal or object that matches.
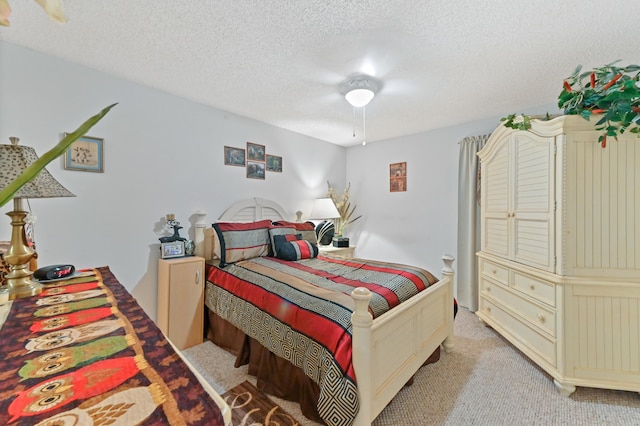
(420, 225)
(162, 155)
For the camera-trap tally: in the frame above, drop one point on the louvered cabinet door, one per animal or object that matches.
(532, 216)
(495, 190)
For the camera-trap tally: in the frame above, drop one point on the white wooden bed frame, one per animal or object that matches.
(387, 351)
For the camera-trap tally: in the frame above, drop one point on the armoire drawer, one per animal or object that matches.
(496, 272)
(543, 318)
(539, 290)
(530, 341)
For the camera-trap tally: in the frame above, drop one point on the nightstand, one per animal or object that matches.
(343, 252)
(181, 300)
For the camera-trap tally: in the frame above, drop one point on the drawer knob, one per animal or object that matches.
(532, 287)
(541, 318)
(494, 272)
(488, 288)
(488, 308)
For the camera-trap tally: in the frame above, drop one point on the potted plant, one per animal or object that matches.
(345, 209)
(609, 92)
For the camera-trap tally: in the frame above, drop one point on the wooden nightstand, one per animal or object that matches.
(343, 252)
(181, 300)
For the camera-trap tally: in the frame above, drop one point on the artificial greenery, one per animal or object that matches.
(610, 92)
(6, 194)
(344, 207)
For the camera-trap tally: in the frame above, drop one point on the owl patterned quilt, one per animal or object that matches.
(84, 352)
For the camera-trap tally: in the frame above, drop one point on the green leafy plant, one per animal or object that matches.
(6, 194)
(611, 93)
(344, 207)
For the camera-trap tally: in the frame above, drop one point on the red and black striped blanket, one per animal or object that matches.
(301, 311)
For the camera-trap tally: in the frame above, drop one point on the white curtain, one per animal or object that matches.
(469, 221)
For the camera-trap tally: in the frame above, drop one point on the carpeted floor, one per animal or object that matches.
(484, 381)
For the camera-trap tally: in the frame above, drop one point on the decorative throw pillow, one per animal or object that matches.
(306, 229)
(293, 247)
(242, 241)
(279, 230)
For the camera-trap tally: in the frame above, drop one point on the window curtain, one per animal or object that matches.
(469, 220)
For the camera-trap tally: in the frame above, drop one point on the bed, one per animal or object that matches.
(84, 352)
(343, 358)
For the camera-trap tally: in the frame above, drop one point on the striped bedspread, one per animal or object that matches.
(301, 311)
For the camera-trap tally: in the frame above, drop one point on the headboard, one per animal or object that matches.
(248, 210)
(253, 209)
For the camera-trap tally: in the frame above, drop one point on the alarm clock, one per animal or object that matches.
(53, 272)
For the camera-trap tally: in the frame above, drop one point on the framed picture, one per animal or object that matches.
(398, 177)
(255, 152)
(274, 163)
(172, 249)
(234, 156)
(255, 170)
(85, 154)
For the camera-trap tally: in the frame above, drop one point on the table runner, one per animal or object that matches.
(84, 351)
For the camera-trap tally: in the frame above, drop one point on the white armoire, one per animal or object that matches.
(559, 265)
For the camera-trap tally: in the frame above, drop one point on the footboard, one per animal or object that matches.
(389, 350)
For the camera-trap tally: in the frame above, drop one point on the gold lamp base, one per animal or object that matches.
(18, 280)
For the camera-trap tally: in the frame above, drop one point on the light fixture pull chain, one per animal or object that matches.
(364, 125)
(354, 122)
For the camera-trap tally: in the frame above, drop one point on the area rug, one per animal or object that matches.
(250, 406)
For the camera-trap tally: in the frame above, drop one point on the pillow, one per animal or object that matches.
(242, 241)
(306, 229)
(293, 247)
(279, 230)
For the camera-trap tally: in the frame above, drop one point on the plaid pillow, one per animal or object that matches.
(293, 247)
(306, 229)
(242, 241)
(279, 230)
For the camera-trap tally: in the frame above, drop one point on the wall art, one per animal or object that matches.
(274, 163)
(234, 156)
(398, 177)
(85, 154)
(255, 170)
(256, 152)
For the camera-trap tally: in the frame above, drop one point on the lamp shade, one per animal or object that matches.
(324, 208)
(14, 159)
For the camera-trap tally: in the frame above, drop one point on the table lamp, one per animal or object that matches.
(15, 159)
(324, 209)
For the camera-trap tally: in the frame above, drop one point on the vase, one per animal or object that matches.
(189, 248)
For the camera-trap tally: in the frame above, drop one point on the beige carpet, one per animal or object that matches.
(484, 381)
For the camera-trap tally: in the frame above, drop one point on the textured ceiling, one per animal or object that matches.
(442, 62)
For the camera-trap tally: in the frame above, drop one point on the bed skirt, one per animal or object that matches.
(274, 375)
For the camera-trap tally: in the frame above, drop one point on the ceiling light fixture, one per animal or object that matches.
(359, 89)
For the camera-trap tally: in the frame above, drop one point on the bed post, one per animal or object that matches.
(198, 237)
(362, 321)
(448, 273)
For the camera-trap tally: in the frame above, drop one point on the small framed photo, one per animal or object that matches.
(256, 152)
(398, 177)
(255, 170)
(172, 249)
(274, 163)
(85, 154)
(234, 156)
